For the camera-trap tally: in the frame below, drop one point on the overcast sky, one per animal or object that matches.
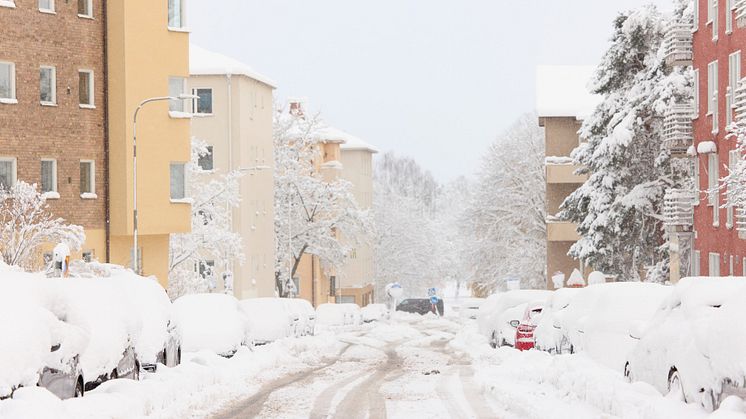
(436, 80)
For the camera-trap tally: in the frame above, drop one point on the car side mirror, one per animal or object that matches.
(514, 323)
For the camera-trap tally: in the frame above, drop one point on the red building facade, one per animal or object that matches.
(718, 39)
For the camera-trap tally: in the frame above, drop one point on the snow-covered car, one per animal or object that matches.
(338, 315)
(569, 322)
(548, 337)
(498, 310)
(694, 346)
(212, 322)
(374, 312)
(468, 308)
(524, 334)
(306, 315)
(619, 307)
(270, 318)
(353, 316)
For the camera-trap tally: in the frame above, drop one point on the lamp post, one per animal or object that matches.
(135, 253)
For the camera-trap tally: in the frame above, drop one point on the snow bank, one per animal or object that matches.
(212, 322)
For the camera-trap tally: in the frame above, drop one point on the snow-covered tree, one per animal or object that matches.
(618, 209)
(213, 196)
(26, 224)
(505, 220)
(310, 211)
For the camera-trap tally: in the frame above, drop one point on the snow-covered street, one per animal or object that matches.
(407, 367)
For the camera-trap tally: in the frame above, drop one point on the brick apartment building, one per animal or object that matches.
(52, 107)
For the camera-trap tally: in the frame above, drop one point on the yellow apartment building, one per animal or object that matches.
(234, 116)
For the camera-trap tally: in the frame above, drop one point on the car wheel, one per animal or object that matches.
(493, 340)
(136, 372)
(627, 372)
(114, 374)
(79, 388)
(675, 389)
(710, 400)
(178, 356)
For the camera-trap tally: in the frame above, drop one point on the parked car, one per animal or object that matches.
(499, 310)
(270, 318)
(420, 306)
(338, 315)
(468, 308)
(524, 335)
(212, 322)
(506, 326)
(374, 312)
(548, 337)
(306, 315)
(694, 345)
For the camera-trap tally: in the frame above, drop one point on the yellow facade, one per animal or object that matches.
(143, 53)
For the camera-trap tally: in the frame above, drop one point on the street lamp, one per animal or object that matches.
(183, 96)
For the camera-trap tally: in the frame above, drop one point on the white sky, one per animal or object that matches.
(436, 80)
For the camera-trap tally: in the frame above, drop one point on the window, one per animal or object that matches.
(7, 82)
(695, 25)
(714, 264)
(176, 88)
(206, 162)
(713, 192)
(48, 85)
(734, 77)
(206, 269)
(7, 172)
(46, 5)
(712, 94)
(346, 299)
(87, 179)
(728, 16)
(713, 17)
(88, 256)
(49, 175)
(178, 184)
(85, 85)
(85, 8)
(732, 163)
(203, 105)
(696, 271)
(697, 186)
(176, 14)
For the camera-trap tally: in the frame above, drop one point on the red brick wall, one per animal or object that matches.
(30, 131)
(719, 239)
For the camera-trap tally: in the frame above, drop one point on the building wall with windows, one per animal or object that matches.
(52, 102)
(148, 56)
(718, 41)
(234, 116)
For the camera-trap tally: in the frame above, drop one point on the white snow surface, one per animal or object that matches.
(212, 322)
(205, 62)
(706, 147)
(562, 91)
(349, 141)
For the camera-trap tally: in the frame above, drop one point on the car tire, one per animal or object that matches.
(675, 388)
(627, 372)
(177, 361)
(79, 388)
(493, 340)
(136, 371)
(710, 400)
(114, 374)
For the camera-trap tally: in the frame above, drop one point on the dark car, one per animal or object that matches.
(420, 306)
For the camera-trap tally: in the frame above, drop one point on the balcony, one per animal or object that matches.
(740, 7)
(678, 44)
(678, 132)
(678, 208)
(739, 100)
(564, 173)
(562, 231)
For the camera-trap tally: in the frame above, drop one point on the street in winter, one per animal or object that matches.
(392, 209)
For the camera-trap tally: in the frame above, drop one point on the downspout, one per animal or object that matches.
(107, 198)
(229, 84)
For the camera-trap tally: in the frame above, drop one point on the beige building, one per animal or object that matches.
(234, 116)
(562, 101)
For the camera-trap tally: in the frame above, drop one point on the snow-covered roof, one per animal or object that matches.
(208, 63)
(349, 141)
(562, 90)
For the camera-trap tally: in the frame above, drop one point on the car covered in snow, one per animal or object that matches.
(306, 315)
(524, 334)
(694, 347)
(271, 319)
(420, 306)
(211, 322)
(338, 315)
(374, 312)
(547, 336)
(500, 314)
(468, 308)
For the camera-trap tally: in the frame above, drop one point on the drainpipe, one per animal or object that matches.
(107, 198)
(229, 85)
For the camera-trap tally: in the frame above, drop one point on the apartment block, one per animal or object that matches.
(563, 100)
(234, 116)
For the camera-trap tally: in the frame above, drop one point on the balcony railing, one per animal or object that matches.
(679, 44)
(678, 207)
(678, 133)
(739, 101)
(740, 6)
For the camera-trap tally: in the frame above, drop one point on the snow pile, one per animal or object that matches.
(269, 317)
(706, 147)
(563, 91)
(576, 279)
(596, 277)
(212, 322)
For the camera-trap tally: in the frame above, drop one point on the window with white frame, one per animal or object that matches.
(696, 94)
(87, 178)
(48, 175)
(206, 161)
(7, 81)
(176, 88)
(695, 25)
(85, 86)
(695, 175)
(178, 181)
(48, 85)
(203, 105)
(714, 264)
(176, 14)
(713, 191)
(696, 269)
(729, 16)
(712, 94)
(734, 76)
(732, 162)
(46, 5)
(85, 8)
(7, 172)
(713, 17)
